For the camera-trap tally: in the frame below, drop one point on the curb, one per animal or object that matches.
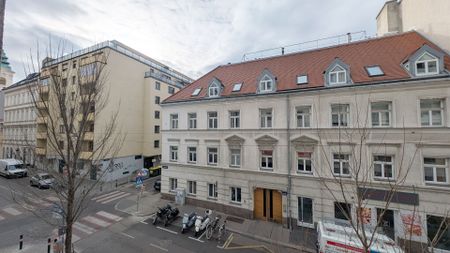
(263, 239)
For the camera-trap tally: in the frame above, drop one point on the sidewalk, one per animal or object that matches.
(272, 233)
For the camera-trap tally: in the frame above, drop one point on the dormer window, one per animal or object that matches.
(338, 75)
(214, 90)
(427, 64)
(266, 84)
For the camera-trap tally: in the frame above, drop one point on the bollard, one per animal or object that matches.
(116, 183)
(49, 245)
(20, 242)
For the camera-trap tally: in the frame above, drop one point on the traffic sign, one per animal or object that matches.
(139, 181)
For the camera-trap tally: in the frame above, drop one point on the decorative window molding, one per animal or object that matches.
(338, 73)
(266, 82)
(425, 61)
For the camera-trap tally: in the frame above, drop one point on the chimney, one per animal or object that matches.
(349, 37)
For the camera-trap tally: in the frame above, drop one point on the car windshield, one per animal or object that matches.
(46, 177)
(15, 167)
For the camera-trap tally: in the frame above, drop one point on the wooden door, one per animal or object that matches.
(258, 204)
(277, 206)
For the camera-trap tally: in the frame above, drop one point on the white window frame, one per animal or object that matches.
(383, 169)
(340, 114)
(213, 121)
(213, 155)
(191, 154)
(173, 184)
(174, 121)
(426, 62)
(341, 164)
(266, 159)
(302, 123)
(235, 157)
(434, 167)
(237, 193)
(191, 187)
(266, 117)
(380, 112)
(430, 112)
(214, 190)
(192, 120)
(173, 153)
(235, 120)
(266, 84)
(304, 159)
(214, 90)
(336, 73)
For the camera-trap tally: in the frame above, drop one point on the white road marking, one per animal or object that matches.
(104, 195)
(96, 221)
(167, 230)
(143, 222)
(195, 239)
(159, 247)
(118, 197)
(12, 211)
(127, 235)
(109, 216)
(110, 196)
(84, 228)
(52, 199)
(1, 217)
(75, 238)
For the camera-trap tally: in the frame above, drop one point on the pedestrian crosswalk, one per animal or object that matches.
(25, 205)
(110, 197)
(91, 224)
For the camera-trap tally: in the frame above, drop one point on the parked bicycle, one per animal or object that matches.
(214, 227)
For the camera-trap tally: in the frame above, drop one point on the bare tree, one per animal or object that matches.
(69, 97)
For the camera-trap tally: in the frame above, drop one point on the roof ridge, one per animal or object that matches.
(326, 48)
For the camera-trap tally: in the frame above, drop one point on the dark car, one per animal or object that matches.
(157, 185)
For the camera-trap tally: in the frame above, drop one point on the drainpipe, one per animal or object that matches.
(289, 158)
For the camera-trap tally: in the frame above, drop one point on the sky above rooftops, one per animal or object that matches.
(192, 36)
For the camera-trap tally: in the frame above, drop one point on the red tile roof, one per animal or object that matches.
(388, 52)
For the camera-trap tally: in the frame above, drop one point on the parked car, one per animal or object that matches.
(157, 185)
(11, 168)
(42, 180)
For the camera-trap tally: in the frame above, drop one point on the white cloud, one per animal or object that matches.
(191, 36)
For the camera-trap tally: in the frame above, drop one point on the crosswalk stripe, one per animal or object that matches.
(52, 199)
(110, 197)
(109, 216)
(104, 195)
(83, 228)
(75, 238)
(1, 217)
(96, 221)
(12, 211)
(118, 197)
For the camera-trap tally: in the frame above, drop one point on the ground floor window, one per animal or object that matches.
(192, 187)
(438, 231)
(305, 210)
(212, 190)
(236, 194)
(173, 182)
(342, 210)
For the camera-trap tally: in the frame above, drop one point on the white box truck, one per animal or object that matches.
(335, 236)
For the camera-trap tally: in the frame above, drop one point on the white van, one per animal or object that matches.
(12, 168)
(335, 236)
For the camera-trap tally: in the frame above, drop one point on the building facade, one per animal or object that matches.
(135, 85)
(427, 17)
(19, 126)
(271, 138)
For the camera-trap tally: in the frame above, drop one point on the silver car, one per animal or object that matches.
(42, 180)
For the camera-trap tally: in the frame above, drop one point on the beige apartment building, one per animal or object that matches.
(136, 84)
(430, 17)
(19, 126)
(264, 139)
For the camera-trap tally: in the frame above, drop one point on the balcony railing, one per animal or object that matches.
(162, 78)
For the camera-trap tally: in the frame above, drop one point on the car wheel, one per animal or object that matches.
(31, 183)
(39, 186)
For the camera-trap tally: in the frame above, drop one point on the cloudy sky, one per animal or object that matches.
(192, 36)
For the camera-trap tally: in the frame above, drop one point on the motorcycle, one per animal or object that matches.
(171, 215)
(161, 213)
(201, 222)
(188, 221)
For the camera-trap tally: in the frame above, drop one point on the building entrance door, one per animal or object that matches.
(267, 205)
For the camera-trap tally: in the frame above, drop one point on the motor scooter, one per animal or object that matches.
(201, 222)
(171, 215)
(188, 221)
(160, 214)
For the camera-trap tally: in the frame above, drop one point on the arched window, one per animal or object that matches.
(337, 75)
(427, 64)
(266, 84)
(214, 90)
